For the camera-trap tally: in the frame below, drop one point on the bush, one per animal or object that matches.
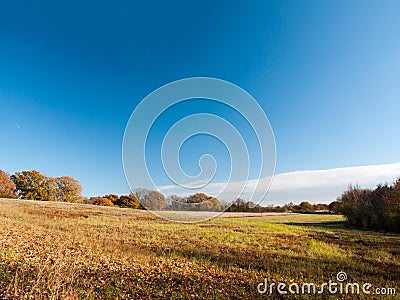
(130, 201)
(113, 198)
(377, 209)
(101, 201)
(306, 207)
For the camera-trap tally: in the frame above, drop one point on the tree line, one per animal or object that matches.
(241, 205)
(154, 200)
(32, 185)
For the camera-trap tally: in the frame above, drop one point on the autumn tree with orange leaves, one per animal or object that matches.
(7, 187)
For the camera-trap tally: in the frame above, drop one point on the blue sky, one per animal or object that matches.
(327, 74)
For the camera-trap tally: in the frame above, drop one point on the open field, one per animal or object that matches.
(69, 251)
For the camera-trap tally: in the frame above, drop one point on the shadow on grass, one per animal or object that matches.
(329, 224)
(342, 225)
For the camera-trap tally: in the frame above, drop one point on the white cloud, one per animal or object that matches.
(316, 186)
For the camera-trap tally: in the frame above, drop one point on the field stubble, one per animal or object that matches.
(65, 251)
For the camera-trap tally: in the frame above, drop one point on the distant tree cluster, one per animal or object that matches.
(196, 202)
(377, 209)
(241, 205)
(150, 199)
(32, 185)
(128, 201)
(154, 200)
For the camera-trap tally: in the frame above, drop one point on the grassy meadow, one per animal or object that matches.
(72, 251)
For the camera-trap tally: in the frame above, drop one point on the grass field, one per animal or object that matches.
(69, 251)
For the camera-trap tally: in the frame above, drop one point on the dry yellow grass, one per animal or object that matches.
(71, 251)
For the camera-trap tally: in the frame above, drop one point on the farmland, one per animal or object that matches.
(75, 251)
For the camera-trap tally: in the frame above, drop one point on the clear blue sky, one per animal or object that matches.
(327, 74)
